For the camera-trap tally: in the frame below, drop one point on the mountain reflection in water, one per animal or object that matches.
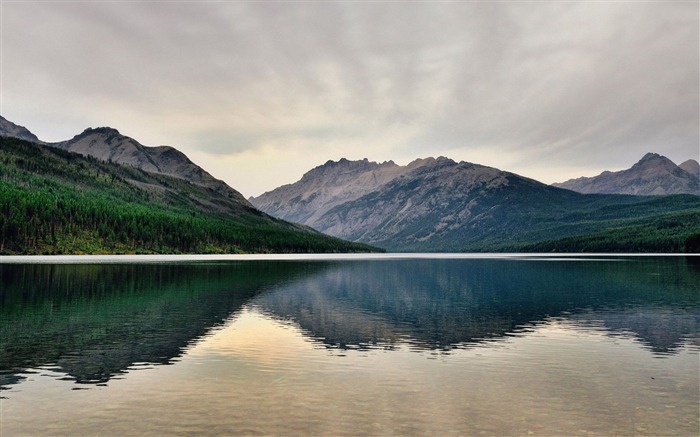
(446, 304)
(95, 322)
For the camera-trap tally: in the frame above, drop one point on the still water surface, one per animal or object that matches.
(352, 346)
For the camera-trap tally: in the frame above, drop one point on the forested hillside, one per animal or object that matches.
(671, 233)
(58, 202)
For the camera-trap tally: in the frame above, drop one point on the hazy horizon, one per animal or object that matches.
(259, 93)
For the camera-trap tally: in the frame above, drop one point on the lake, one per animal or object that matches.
(350, 345)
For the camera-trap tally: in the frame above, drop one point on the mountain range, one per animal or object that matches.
(107, 144)
(437, 204)
(652, 175)
(431, 204)
(102, 192)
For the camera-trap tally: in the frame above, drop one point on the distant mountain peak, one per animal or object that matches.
(110, 136)
(345, 165)
(651, 155)
(108, 144)
(105, 130)
(421, 161)
(654, 159)
(328, 185)
(691, 166)
(101, 129)
(654, 174)
(10, 129)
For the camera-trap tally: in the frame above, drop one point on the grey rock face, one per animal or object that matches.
(652, 175)
(430, 204)
(108, 144)
(328, 186)
(436, 197)
(9, 129)
(691, 166)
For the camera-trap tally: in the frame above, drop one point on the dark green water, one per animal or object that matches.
(512, 346)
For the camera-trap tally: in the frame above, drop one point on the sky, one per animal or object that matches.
(258, 93)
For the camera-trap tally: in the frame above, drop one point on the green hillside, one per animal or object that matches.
(666, 233)
(57, 202)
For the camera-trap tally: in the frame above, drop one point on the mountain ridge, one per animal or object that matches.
(10, 129)
(653, 174)
(108, 144)
(442, 205)
(430, 204)
(55, 201)
(317, 193)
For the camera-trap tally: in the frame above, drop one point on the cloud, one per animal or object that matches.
(588, 83)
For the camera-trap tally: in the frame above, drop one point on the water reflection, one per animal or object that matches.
(95, 322)
(446, 304)
(92, 322)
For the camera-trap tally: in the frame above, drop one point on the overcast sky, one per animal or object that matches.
(258, 93)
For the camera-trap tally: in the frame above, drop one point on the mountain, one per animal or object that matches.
(652, 175)
(9, 129)
(108, 144)
(691, 166)
(441, 205)
(53, 201)
(327, 186)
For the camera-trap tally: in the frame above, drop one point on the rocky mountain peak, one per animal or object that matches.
(650, 156)
(108, 144)
(442, 161)
(9, 129)
(421, 162)
(654, 174)
(691, 166)
(344, 166)
(103, 135)
(327, 186)
(654, 160)
(105, 130)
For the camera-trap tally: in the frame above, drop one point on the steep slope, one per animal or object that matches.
(53, 201)
(107, 144)
(9, 129)
(442, 205)
(652, 175)
(328, 186)
(691, 166)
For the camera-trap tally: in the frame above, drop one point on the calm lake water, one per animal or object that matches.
(376, 345)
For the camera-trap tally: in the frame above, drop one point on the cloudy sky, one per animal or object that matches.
(258, 93)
